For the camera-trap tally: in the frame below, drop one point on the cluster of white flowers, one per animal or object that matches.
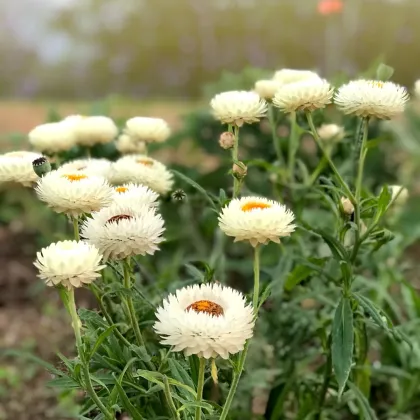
(74, 130)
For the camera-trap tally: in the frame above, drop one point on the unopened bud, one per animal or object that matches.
(41, 166)
(331, 132)
(227, 140)
(348, 207)
(239, 170)
(214, 371)
(399, 194)
(179, 195)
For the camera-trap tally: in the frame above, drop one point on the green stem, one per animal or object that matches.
(200, 386)
(318, 141)
(256, 278)
(276, 140)
(241, 363)
(76, 228)
(86, 374)
(293, 145)
(235, 158)
(325, 384)
(318, 170)
(169, 399)
(130, 305)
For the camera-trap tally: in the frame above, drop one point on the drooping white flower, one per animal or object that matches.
(238, 107)
(74, 192)
(69, 263)
(126, 145)
(267, 88)
(257, 220)
(402, 192)
(148, 130)
(17, 167)
(52, 137)
(307, 95)
(208, 320)
(92, 130)
(329, 132)
(371, 98)
(286, 76)
(135, 195)
(123, 230)
(141, 169)
(100, 167)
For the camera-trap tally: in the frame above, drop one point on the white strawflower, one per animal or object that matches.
(136, 195)
(92, 130)
(267, 88)
(100, 167)
(141, 169)
(257, 220)
(371, 98)
(238, 107)
(126, 145)
(307, 95)
(69, 263)
(402, 192)
(417, 88)
(329, 132)
(286, 76)
(52, 137)
(148, 130)
(74, 192)
(120, 231)
(208, 320)
(17, 167)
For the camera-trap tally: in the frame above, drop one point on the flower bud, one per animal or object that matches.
(227, 140)
(179, 195)
(239, 170)
(328, 132)
(41, 166)
(402, 197)
(348, 207)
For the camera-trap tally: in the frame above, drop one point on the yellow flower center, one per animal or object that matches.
(74, 177)
(146, 162)
(252, 205)
(207, 307)
(378, 84)
(117, 218)
(121, 189)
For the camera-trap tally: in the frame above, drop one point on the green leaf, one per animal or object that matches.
(127, 403)
(303, 271)
(372, 310)
(342, 342)
(366, 410)
(198, 187)
(141, 352)
(383, 202)
(100, 340)
(384, 72)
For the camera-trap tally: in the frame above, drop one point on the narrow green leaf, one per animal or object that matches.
(299, 273)
(100, 340)
(342, 343)
(127, 403)
(366, 410)
(198, 187)
(383, 202)
(372, 310)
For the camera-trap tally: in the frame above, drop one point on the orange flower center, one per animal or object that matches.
(146, 162)
(206, 306)
(121, 189)
(73, 177)
(252, 205)
(117, 218)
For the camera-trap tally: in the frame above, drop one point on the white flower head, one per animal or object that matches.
(52, 137)
(331, 132)
(92, 130)
(257, 220)
(142, 169)
(148, 130)
(286, 76)
(135, 195)
(238, 107)
(371, 98)
(126, 145)
(208, 320)
(307, 95)
(267, 88)
(402, 192)
(17, 167)
(69, 263)
(99, 167)
(417, 88)
(74, 192)
(123, 230)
